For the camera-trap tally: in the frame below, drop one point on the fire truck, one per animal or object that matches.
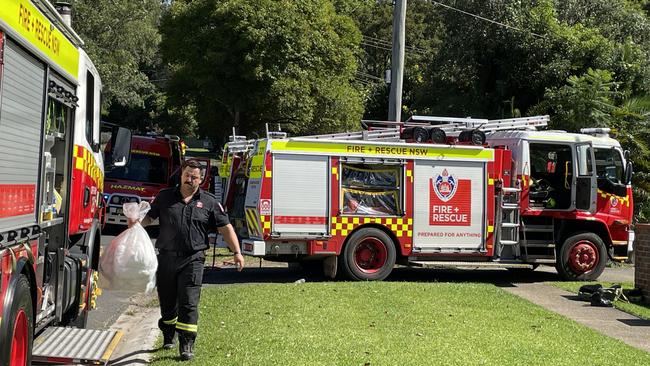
(441, 192)
(154, 165)
(51, 182)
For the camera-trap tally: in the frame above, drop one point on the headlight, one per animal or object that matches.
(115, 200)
(134, 199)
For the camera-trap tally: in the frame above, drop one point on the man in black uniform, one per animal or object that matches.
(187, 214)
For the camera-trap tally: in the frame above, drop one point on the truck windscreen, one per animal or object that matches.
(142, 168)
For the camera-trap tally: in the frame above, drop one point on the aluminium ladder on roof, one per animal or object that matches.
(457, 125)
(390, 131)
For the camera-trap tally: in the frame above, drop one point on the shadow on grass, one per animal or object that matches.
(498, 277)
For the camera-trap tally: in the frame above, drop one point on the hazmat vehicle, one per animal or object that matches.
(154, 165)
(51, 183)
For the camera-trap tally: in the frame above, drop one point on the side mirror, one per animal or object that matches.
(629, 171)
(116, 142)
(626, 155)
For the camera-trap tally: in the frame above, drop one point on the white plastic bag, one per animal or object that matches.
(129, 262)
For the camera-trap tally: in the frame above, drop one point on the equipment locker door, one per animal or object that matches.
(21, 111)
(300, 195)
(449, 204)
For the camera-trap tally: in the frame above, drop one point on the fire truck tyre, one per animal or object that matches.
(20, 327)
(369, 255)
(582, 257)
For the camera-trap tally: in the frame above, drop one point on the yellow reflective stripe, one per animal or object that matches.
(370, 149)
(170, 322)
(85, 161)
(36, 29)
(257, 162)
(187, 327)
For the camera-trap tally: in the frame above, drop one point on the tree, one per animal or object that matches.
(122, 38)
(375, 20)
(244, 63)
(585, 101)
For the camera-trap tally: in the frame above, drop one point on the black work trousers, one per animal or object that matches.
(179, 278)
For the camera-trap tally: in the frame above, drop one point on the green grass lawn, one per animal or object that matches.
(383, 323)
(640, 310)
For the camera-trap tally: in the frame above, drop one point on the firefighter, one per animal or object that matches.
(187, 214)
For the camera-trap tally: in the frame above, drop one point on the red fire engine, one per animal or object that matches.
(51, 180)
(441, 192)
(154, 165)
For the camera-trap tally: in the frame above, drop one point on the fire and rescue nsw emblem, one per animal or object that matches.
(445, 186)
(450, 201)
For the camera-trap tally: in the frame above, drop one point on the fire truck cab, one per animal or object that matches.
(154, 165)
(576, 199)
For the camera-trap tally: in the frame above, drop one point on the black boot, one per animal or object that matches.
(186, 348)
(169, 333)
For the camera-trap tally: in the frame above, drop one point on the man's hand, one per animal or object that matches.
(239, 260)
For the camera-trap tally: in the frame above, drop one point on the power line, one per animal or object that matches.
(485, 19)
(370, 76)
(385, 45)
(389, 43)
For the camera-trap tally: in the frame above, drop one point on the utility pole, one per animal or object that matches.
(397, 61)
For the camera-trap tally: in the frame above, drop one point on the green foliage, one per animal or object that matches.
(246, 63)
(375, 20)
(586, 101)
(122, 38)
(383, 323)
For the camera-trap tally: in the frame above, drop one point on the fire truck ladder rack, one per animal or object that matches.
(391, 131)
(456, 125)
(508, 221)
(389, 134)
(240, 144)
(75, 346)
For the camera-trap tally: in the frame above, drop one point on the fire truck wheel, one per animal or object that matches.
(369, 255)
(582, 257)
(20, 326)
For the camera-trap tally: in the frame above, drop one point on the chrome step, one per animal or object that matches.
(509, 225)
(508, 242)
(510, 190)
(510, 206)
(75, 346)
(469, 264)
